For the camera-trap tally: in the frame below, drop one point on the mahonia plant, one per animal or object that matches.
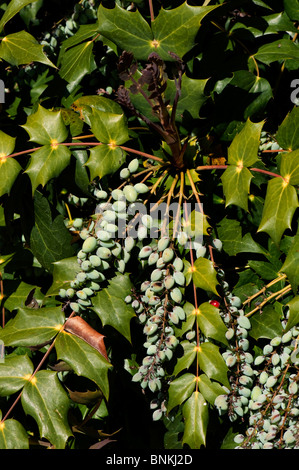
(130, 269)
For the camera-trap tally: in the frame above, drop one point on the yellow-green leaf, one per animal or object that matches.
(196, 414)
(22, 48)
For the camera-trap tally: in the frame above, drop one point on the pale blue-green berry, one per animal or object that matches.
(81, 255)
(259, 360)
(100, 194)
(244, 322)
(84, 234)
(62, 293)
(275, 341)
(81, 295)
(263, 377)
(293, 388)
(147, 220)
(160, 263)
(179, 312)
(85, 265)
(157, 286)
(103, 253)
(95, 261)
(154, 300)
(116, 251)
(255, 393)
(141, 232)
(245, 380)
(190, 335)
(176, 295)
(156, 275)
(145, 252)
(287, 337)
(168, 353)
(117, 194)
(275, 359)
(70, 293)
(89, 244)
(169, 281)
(77, 223)
(167, 255)
(157, 414)
(81, 277)
(271, 381)
(182, 238)
(268, 349)
(151, 350)
(179, 278)
(229, 334)
(239, 438)
(178, 264)
(141, 188)
(244, 391)
(133, 165)
(95, 286)
(200, 252)
(171, 341)
(221, 402)
(236, 302)
(163, 243)
(173, 317)
(153, 258)
(88, 291)
(75, 307)
(231, 361)
(288, 437)
(130, 193)
(124, 173)
(217, 244)
(244, 344)
(119, 206)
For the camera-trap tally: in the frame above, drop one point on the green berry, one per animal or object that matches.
(103, 252)
(141, 188)
(167, 255)
(124, 173)
(133, 165)
(176, 295)
(130, 193)
(89, 245)
(179, 278)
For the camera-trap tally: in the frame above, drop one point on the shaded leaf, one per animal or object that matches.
(196, 414)
(76, 63)
(46, 401)
(293, 319)
(230, 233)
(22, 48)
(180, 389)
(13, 7)
(289, 167)
(210, 390)
(84, 359)
(64, 272)
(266, 324)
(243, 151)
(14, 373)
(187, 359)
(291, 264)
(204, 275)
(278, 50)
(287, 134)
(212, 363)
(210, 322)
(9, 169)
(109, 128)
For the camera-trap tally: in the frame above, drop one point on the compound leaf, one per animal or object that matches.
(196, 414)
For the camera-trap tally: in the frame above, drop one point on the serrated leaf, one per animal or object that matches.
(110, 306)
(19, 296)
(293, 319)
(289, 167)
(287, 134)
(13, 436)
(210, 390)
(280, 204)
(291, 264)
(64, 271)
(196, 415)
(31, 327)
(47, 163)
(292, 9)
(47, 402)
(109, 128)
(266, 270)
(13, 7)
(204, 275)
(187, 359)
(14, 373)
(104, 160)
(46, 127)
(49, 239)
(180, 389)
(76, 63)
(236, 185)
(243, 151)
(85, 105)
(266, 324)
(210, 322)
(230, 233)
(84, 359)
(173, 30)
(9, 168)
(22, 48)
(84, 32)
(212, 363)
(282, 49)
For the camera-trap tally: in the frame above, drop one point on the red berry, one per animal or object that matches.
(215, 303)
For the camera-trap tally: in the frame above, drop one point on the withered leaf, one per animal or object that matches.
(79, 327)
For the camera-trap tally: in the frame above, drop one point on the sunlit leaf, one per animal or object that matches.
(14, 373)
(13, 436)
(180, 389)
(204, 275)
(196, 416)
(22, 48)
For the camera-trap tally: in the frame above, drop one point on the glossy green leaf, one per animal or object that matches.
(47, 163)
(109, 128)
(289, 167)
(280, 204)
(282, 49)
(292, 9)
(14, 373)
(243, 151)
(230, 233)
(46, 127)
(86, 104)
(7, 144)
(31, 327)
(49, 239)
(187, 359)
(266, 324)
(210, 322)
(19, 296)
(13, 7)
(204, 275)
(64, 271)
(104, 160)
(210, 390)
(76, 63)
(291, 264)
(196, 415)
(13, 436)
(84, 32)
(293, 319)
(236, 185)
(287, 134)
(172, 30)
(9, 168)
(110, 306)
(180, 389)
(45, 399)
(22, 48)
(84, 359)
(212, 363)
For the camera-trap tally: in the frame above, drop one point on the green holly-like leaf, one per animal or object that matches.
(289, 167)
(212, 363)
(291, 264)
(173, 30)
(31, 327)
(13, 7)
(86, 104)
(22, 48)
(19, 296)
(291, 7)
(64, 271)
(14, 373)
(210, 322)
(266, 324)
(47, 163)
(282, 49)
(288, 132)
(110, 306)
(230, 233)
(109, 128)
(9, 167)
(49, 239)
(187, 359)
(293, 319)
(204, 275)
(46, 127)
(192, 96)
(84, 359)
(104, 160)
(13, 436)
(76, 63)
(47, 402)
(196, 415)
(280, 204)
(210, 390)
(180, 389)
(243, 151)
(236, 185)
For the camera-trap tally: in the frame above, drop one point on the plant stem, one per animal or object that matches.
(151, 9)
